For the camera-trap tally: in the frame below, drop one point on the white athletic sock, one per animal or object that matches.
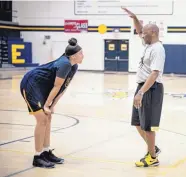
(46, 149)
(38, 153)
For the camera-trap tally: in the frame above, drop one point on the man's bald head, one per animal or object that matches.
(152, 27)
(150, 33)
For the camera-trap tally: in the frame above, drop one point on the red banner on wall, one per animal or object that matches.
(76, 26)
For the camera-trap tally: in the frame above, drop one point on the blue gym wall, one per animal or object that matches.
(175, 59)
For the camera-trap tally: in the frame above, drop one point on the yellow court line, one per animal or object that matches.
(178, 163)
(16, 151)
(17, 76)
(98, 160)
(71, 157)
(173, 166)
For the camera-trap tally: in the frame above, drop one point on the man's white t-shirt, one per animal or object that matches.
(153, 59)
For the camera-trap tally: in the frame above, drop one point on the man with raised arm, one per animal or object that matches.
(148, 99)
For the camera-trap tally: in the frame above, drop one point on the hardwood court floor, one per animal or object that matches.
(91, 129)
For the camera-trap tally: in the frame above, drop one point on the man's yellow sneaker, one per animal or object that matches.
(148, 161)
(157, 150)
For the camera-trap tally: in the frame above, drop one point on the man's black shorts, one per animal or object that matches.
(148, 116)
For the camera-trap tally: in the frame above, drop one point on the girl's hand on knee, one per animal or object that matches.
(47, 110)
(52, 109)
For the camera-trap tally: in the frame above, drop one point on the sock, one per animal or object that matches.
(38, 153)
(46, 149)
(153, 157)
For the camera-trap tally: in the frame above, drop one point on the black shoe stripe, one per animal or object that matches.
(144, 162)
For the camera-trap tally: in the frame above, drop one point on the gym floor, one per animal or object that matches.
(91, 129)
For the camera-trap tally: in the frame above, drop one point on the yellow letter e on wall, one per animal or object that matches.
(16, 54)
